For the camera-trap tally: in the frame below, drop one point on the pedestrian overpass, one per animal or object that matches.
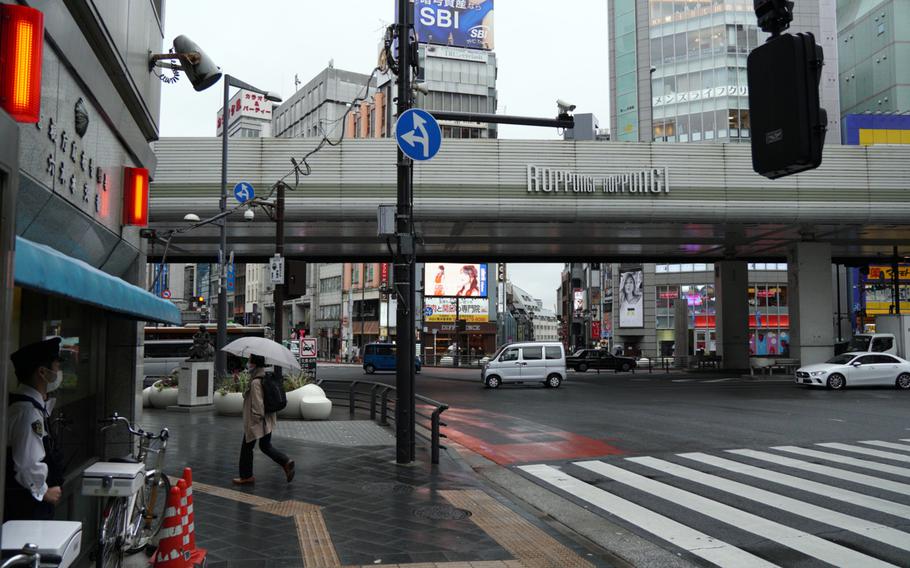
(535, 201)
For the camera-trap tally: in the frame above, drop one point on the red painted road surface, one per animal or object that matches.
(507, 440)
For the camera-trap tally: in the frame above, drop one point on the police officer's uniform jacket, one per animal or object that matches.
(32, 461)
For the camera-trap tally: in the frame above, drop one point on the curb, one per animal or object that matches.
(613, 543)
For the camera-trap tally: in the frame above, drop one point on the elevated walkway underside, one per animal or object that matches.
(521, 200)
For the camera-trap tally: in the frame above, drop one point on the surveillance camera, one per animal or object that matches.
(248, 215)
(564, 106)
(199, 67)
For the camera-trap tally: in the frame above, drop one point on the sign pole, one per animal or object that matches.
(404, 269)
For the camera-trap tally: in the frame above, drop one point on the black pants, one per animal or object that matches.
(265, 444)
(19, 504)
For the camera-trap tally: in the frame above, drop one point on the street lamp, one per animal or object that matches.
(221, 340)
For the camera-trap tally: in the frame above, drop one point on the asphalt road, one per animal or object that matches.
(694, 469)
(645, 413)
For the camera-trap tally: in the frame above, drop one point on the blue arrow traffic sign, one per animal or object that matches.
(418, 134)
(243, 192)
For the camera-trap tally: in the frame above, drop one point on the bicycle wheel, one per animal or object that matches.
(148, 512)
(110, 540)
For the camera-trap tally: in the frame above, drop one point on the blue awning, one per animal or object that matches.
(48, 270)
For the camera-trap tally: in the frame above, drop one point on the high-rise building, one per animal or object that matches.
(318, 108)
(874, 56)
(678, 67)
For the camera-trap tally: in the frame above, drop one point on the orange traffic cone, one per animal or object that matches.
(171, 553)
(197, 555)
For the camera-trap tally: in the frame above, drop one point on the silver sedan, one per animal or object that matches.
(855, 370)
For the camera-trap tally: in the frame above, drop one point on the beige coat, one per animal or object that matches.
(254, 426)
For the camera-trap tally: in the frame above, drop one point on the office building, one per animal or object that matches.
(678, 68)
(319, 106)
(874, 56)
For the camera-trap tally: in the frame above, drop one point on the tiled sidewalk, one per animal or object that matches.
(350, 504)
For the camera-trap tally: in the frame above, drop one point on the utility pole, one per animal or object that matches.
(404, 269)
(278, 294)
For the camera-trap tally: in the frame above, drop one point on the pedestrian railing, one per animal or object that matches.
(374, 398)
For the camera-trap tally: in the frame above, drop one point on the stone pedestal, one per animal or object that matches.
(196, 390)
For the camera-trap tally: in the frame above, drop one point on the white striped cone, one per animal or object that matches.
(197, 554)
(171, 552)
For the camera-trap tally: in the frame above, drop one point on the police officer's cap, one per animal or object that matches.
(34, 355)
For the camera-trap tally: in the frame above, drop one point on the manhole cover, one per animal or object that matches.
(441, 513)
(388, 487)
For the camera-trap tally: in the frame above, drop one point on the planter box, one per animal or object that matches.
(230, 404)
(146, 396)
(292, 410)
(314, 405)
(162, 398)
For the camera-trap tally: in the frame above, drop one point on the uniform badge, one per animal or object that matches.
(38, 427)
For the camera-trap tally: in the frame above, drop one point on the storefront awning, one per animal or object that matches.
(42, 268)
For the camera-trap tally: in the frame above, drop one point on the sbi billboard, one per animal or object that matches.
(458, 23)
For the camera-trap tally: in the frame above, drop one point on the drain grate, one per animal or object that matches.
(441, 513)
(388, 487)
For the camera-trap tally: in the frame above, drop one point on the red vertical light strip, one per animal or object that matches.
(135, 196)
(21, 48)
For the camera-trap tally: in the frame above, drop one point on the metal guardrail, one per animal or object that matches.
(373, 397)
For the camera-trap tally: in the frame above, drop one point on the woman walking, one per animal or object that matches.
(258, 425)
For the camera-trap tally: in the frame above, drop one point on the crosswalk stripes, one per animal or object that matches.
(889, 445)
(866, 451)
(677, 533)
(728, 509)
(833, 472)
(846, 460)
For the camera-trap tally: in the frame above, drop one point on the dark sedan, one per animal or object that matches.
(585, 359)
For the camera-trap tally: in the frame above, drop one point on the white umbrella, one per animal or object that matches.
(273, 353)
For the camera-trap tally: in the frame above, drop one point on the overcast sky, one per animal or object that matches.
(545, 51)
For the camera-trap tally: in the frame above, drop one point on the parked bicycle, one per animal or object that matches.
(28, 557)
(128, 524)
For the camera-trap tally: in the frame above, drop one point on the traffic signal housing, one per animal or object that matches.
(788, 123)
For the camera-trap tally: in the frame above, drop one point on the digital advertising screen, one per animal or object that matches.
(631, 299)
(458, 23)
(455, 280)
(471, 310)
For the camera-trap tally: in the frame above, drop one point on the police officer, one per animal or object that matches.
(34, 470)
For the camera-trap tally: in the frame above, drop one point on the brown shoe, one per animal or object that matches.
(244, 480)
(289, 470)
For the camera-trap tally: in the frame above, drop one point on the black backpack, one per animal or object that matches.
(273, 395)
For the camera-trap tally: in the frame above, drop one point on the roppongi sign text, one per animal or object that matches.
(548, 180)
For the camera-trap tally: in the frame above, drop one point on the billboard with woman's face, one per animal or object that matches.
(631, 299)
(455, 280)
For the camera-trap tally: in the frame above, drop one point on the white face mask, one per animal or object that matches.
(250, 367)
(55, 384)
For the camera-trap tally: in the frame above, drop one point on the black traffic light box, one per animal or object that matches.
(788, 123)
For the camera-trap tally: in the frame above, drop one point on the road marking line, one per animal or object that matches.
(803, 484)
(846, 460)
(860, 478)
(691, 540)
(866, 451)
(683, 380)
(862, 527)
(527, 543)
(806, 543)
(718, 380)
(889, 445)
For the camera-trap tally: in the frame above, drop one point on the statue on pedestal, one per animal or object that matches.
(202, 349)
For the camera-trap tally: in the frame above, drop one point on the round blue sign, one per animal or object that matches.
(418, 134)
(243, 192)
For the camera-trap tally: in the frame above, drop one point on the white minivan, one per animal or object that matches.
(533, 362)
